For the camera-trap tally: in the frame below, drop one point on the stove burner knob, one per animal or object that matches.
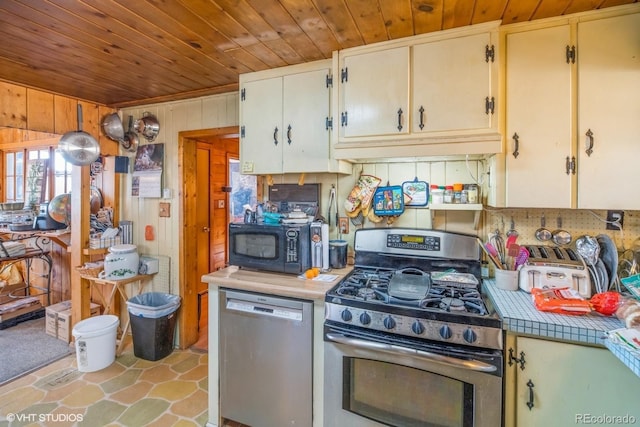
(389, 323)
(417, 328)
(469, 336)
(365, 319)
(346, 315)
(445, 332)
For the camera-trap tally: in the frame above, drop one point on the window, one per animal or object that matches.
(58, 172)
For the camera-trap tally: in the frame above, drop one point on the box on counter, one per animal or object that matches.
(58, 319)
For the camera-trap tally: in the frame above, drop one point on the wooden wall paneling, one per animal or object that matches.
(65, 114)
(13, 105)
(40, 111)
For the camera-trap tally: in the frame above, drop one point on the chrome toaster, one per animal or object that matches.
(555, 267)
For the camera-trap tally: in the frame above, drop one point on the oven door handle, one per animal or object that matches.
(473, 365)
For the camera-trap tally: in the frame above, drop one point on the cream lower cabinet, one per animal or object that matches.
(572, 108)
(562, 384)
(284, 117)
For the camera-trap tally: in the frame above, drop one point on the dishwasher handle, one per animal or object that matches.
(473, 365)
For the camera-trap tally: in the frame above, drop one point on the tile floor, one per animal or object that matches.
(131, 392)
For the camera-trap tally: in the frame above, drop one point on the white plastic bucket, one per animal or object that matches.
(96, 342)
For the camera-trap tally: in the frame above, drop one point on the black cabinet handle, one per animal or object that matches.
(530, 402)
(275, 136)
(516, 148)
(399, 119)
(421, 111)
(289, 134)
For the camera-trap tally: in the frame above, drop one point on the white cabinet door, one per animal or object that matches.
(538, 97)
(566, 383)
(261, 141)
(375, 93)
(609, 107)
(451, 81)
(306, 105)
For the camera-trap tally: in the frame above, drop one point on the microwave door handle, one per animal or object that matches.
(473, 365)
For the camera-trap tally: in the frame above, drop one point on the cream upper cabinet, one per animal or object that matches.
(374, 93)
(538, 130)
(572, 108)
(427, 95)
(285, 121)
(608, 112)
(261, 126)
(567, 384)
(451, 84)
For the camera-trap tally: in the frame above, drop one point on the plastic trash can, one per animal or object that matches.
(153, 323)
(95, 339)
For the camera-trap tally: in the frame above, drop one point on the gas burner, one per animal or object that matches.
(366, 293)
(452, 304)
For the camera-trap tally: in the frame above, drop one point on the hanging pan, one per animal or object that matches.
(78, 147)
(130, 140)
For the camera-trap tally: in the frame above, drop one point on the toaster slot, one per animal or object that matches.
(558, 253)
(572, 254)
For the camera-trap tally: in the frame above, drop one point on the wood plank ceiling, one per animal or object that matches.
(130, 52)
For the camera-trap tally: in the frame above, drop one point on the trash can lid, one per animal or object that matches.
(95, 325)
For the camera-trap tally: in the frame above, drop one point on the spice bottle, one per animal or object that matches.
(437, 195)
(457, 193)
(448, 194)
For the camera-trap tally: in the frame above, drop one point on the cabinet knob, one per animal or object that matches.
(206, 229)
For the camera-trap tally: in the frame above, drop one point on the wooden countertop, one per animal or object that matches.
(273, 283)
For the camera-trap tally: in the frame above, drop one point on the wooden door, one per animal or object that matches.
(204, 211)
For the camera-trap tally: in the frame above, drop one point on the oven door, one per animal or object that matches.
(371, 382)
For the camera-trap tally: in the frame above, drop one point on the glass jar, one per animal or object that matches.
(448, 194)
(457, 193)
(437, 196)
(472, 193)
(433, 188)
(464, 197)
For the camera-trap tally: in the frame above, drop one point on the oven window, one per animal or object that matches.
(397, 395)
(262, 246)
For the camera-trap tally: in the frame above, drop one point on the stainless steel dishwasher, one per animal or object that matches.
(266, 351)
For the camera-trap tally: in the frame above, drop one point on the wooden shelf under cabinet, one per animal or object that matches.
(474, 207)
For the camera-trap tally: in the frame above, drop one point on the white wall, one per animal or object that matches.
(200, 113)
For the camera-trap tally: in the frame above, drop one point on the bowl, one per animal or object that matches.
(12, 206)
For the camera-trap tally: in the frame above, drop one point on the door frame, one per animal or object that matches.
(188, 277)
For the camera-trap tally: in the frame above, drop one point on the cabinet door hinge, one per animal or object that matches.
(243, 94)
(343, 119)
(512, 359)
(242, 131)
(571, 54)
(489, 105)
(344, 75)
(328, 123)
(489, 53)
(329, 80)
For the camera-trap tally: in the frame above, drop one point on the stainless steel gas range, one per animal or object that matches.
(409, 339)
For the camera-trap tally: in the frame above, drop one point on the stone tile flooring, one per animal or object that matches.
(131, 392)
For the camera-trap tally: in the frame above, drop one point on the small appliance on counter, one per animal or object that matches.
(319, 245)
(555, 267)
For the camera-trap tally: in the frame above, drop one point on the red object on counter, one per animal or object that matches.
(606, 302)
(560, 300)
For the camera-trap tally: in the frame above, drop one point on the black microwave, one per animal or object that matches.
(282, 248)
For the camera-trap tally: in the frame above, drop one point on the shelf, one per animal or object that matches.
(473, 207)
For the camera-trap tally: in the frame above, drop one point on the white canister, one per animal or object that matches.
(122, 262)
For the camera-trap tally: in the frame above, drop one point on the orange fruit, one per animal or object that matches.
(309, 274)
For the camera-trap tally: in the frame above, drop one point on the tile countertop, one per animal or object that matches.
(274, 283)
(520, 316)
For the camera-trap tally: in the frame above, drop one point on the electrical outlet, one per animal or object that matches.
(343, 225)
(614, 217)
